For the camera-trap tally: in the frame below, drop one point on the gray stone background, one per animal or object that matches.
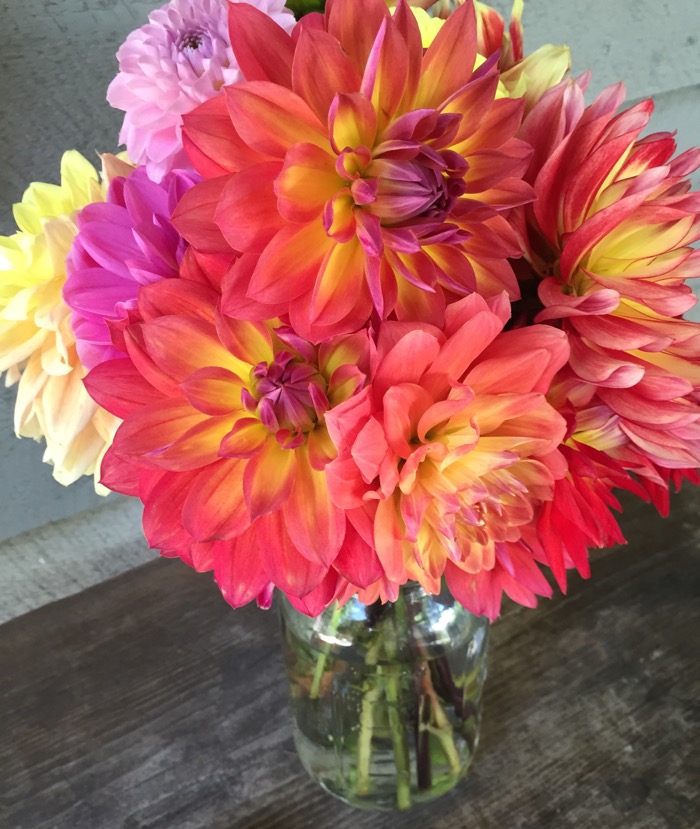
(56, 60)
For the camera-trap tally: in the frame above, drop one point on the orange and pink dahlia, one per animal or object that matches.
(224, 439)
(445, 455)
(356, 172)
(609, 246)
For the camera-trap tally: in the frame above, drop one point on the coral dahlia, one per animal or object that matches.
(609, 245)
(446, 453)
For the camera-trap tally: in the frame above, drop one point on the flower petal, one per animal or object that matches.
(315, 525)
(246, 212)
(270, 119)
(263, 49)
(269, 478)
(215, 506)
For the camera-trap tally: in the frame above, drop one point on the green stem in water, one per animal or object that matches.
(371, 694)
(392, 688)
(323, 656)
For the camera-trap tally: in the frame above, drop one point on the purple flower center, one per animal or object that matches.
(406, 189)
(190, 40)
(289, 396)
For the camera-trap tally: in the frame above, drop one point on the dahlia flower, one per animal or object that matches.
(168, 66)
(608, 250)
(225, 442)
(609, 242)
(377, 186)
(447, 452)
(522, 76)
(122, 243)
(37, 345)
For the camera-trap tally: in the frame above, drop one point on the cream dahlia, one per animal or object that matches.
(37, 344)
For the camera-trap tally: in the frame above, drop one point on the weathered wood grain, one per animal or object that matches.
(64, 557)
(146, 703)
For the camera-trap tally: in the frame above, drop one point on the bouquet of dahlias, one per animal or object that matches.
(373, 300)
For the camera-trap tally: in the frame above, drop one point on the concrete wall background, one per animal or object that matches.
(56, 61)
(58, 57)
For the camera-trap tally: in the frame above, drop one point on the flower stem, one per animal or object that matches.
(323, 656)
(392, 680)
(371, 695)
(392, 690)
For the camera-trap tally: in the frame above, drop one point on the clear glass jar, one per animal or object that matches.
(386, 699)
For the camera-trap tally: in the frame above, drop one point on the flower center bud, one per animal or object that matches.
(190, 40)
(409, 181)
(426, 187)
(289, 396)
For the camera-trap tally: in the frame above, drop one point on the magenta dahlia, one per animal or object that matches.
(123, 243)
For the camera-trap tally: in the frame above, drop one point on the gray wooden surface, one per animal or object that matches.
(146, 703)
(66, 556)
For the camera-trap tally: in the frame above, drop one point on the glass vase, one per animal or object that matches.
(386, 699)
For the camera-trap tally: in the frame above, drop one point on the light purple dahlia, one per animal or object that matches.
(122, 243)
(179, 59)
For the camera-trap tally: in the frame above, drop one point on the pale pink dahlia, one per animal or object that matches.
(123, 243)
(179, 59)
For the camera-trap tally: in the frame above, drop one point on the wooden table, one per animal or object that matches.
(146, 702)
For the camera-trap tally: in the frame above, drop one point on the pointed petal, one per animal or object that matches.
(213, 390)
(215, 506)
(315, 525)
(249, 341)
(448, 64)
(162, 523)
(318, 599)
(193, 217)
(356, 25)
(246, 213)
(339, 282)
(271, 119)
(307, 181)
(196, 447)
(263, 50)
(212, 143)
(238, 569)
(119, 387)
(283, 563)
(245, 439)
(289, 265)
(181, 345)
(352, 122)
(406, 362)
(321, 69)
(357, 560)
(269, 478)
(156, 426)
